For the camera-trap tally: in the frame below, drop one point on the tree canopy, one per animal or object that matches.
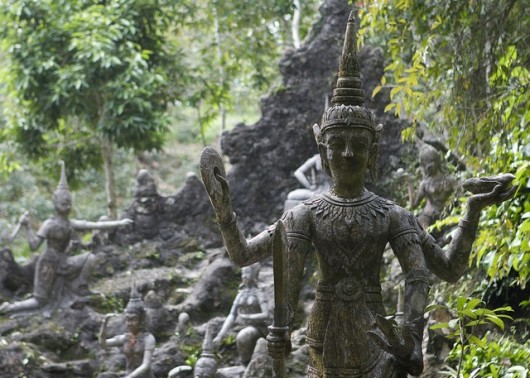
(83, 76)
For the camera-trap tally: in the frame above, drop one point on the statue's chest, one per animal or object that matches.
(134, 350)
(59, 231)
(349, 243)
(350, 236)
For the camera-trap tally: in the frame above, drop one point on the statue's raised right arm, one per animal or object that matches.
(241, 251)
(450, 264)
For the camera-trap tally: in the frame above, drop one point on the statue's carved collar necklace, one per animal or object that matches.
(366, 206)
(365, 197)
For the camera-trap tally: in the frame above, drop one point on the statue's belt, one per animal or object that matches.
(348, 290)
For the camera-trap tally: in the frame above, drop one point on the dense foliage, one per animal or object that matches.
(462, 69)
(83, 77)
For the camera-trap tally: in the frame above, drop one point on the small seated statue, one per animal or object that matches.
(348, 229)
(249, 312)
(146, 208)
(56, 271)
(312, 178)
(138, 343)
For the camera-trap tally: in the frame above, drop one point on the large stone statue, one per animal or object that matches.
(58, 275)
(348, 227)
(138, 344)
(249, 313)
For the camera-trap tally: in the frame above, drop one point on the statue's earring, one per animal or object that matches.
(372, 161)
(323, 150)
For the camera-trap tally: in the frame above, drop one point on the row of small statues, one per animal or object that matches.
(346, 226)
(249, 316)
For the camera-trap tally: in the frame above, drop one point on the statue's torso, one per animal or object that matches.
(134, 349)
(349, 237)
(57, 232)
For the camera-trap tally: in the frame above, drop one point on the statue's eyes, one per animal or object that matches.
(336, 144)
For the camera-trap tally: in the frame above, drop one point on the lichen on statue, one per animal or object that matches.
(348, 229)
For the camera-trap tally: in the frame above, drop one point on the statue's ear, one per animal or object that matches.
(323, 151)
(317, 133)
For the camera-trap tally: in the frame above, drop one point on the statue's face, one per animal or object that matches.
(133, 322)
(62, 201)
(204, 369)
(247, 277)
(348, 151)
(430, 164)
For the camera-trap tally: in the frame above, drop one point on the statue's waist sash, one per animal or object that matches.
(348, 292)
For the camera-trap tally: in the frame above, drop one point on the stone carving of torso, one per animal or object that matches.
(57, 232)
(134, 348)
(349, 237)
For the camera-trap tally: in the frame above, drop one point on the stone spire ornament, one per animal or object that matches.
(63, 183)
(348, 108)
(206, 366)
(349, 89)
(135, 304)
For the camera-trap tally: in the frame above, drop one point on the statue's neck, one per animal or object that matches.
(348, 190)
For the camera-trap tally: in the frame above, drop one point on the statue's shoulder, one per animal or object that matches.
(402, 220)
(298, 218)
(46, 226)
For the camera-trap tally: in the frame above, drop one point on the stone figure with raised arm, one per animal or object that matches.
(55, 263)
(138, 343)
(436, 186)
(349, 227)
(249, 314)
(313, 180)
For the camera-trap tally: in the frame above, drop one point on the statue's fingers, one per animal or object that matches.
(408, 340)
(507, 194)
(380, 342)
(222, 180)
(386, 327)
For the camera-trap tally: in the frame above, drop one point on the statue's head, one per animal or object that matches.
(205, 367)
(347, 127)
(250, 274)
(430, 159)
(135, 311)
(62, 198)
(145, 184)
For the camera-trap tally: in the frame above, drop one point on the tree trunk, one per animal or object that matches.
(110, 186)
(295, 25)
(222, 77)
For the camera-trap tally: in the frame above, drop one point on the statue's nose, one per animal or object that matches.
(348, 152)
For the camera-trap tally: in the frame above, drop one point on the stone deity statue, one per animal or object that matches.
(313, 180)
(249, 314)
(146, 207)
(436, 187)
(348, 228)
(138, 343)
(55, 267)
